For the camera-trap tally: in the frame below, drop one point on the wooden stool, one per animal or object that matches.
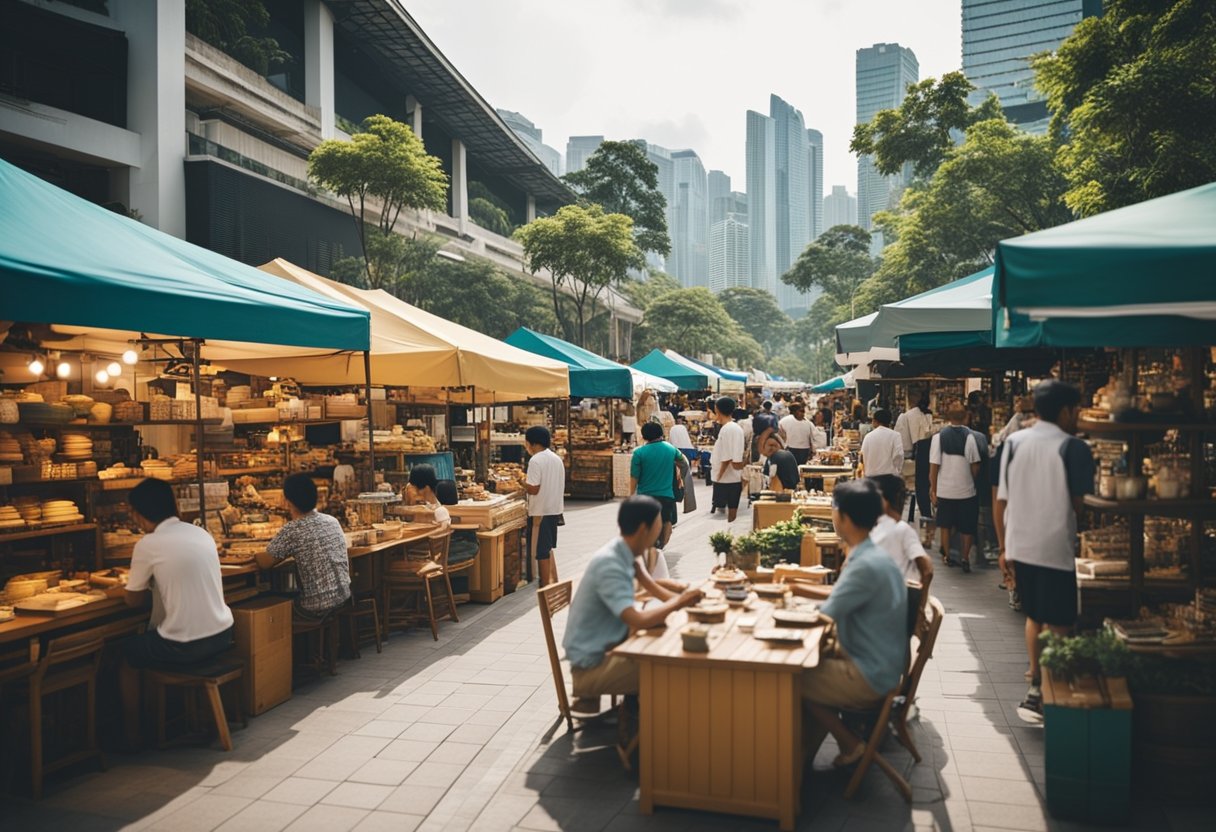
(326, 630)
(356, 611)
(205, 678)
(412, 578)
(70, 662)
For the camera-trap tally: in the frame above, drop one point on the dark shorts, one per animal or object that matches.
(150, 649)
(727, 494)
(801, 455)
(962, 516)
(669, 513)
(542, 536)
(1049, 596)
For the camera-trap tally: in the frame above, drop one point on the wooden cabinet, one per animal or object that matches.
(487, 577)
(263, 640)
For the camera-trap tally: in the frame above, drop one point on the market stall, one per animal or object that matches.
(686, 378)
(721, 382)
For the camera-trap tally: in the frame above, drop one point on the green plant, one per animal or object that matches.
(721, 542)
(746, 543)
(1088, 654)
(780, 541)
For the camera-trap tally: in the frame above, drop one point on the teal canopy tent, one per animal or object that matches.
(686, 377)
(1139, 276)
(591, 376)
(831, 385)
(66, 261)
(855, 343)
(733, 375)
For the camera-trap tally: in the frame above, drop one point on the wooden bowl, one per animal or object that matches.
(714, 613)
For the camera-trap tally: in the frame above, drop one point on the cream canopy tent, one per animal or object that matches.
(409, 348)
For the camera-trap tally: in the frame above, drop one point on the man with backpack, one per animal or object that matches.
(954, 463)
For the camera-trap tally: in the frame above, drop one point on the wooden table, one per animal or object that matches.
(721, 731)
(766, 513)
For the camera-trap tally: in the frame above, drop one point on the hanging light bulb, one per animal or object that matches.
(36, 366)
(130, 357)
(63, 370)
(114, 369)
(102, 377)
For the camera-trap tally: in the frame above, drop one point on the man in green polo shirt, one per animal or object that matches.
(654, 472)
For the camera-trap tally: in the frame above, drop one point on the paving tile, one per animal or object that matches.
(444, 715)
(434, 774)
(262, 816)
(328, 819)
(201, 815)
(388, 822)
(470, 732)
(300, 791)
(248, 785)
(410, 798)
(383, 772)
(428, 731)
(460, 753)
(403, 750)
(358, 795)
(1030, 817)
(382, 728)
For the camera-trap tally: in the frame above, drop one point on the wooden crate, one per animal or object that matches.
(263, 640)
(486, 578)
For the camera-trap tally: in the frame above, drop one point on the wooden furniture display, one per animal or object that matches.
(264, 644)
(487, 578)
(766, 513)
(414, 577)
(70, 662)
(721, 731)
(590, 474)
(206, 680)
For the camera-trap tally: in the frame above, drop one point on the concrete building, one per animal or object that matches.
(660, 157)
(718, 193)
(839, 208)
(122, 105)
(690, 225)
(762, 201)
(814, 144)
(1000, 37)
(579, 150)
(533, 137)
(884, 72)
(729, 260)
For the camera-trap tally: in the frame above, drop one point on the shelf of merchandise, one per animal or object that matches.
(50, 531)
(1127, 428)
(107, 425)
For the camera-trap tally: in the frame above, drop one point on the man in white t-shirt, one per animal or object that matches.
(882, 451)
(1045, 474)
(796, 431)
(176, 568)
(726, 460)
(954, 463)
(546, 488)
(901, 542)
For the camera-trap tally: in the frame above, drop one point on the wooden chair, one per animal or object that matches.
(407, 576)
(359, 609)
(206, 679)
(552, 600)
(323, 632)
(70, 662)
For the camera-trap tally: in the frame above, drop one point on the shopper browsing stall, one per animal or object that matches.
(797, 433)
(780, 466)
(546, 488)
(954, 463)
(882, 451)
(316, 544)
(727, 459)
(654, 472)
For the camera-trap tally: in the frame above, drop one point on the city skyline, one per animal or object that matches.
(592, 90)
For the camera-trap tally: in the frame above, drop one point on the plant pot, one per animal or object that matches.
(747, 561)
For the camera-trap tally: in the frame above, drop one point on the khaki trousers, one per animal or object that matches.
(615, 675)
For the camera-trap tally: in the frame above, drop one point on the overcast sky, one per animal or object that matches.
(683, 73)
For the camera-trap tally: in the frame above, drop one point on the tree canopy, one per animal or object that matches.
(585, 251)
(619, 178)
(236, 27)
(694, 322)
(837, 263)
(1133, 98)
(757, 313)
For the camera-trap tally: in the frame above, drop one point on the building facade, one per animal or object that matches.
(533, 137)
(762, 201)
(690, 227)
(839, 208)
(814, 143)
(729, 260)
(579, 150)
(999, 39)
(718, 191)
(884, 72)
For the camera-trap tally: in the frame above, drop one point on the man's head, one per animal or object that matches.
(652, 431)
(922, 401)
(798, 411)
(537, 439)
(882, 418)
(640, 520)
(893, 490)
(772, 445)
(818, 418)
(300, 492)
(1059, 402)
(856, 507)
(768, 407)
(724, 409)
(152, 502)
(423, 476)
(956, 414)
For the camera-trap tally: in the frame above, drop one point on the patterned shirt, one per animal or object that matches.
(319, 548)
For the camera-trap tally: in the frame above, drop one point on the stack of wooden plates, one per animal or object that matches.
(10, 518)
(29, 508)
(75, 446)
(10, 448)
(60, 511)
(236, 395)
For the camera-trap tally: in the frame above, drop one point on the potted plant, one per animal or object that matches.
(722, 543)
(1087, 712)
(780, 542)
(747, 552)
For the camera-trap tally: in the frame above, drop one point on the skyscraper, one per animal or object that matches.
(729, 262)
(579, 149)
(718, 191)
(884, 71)
(533, 137)
(814, 141)
(998, 42)
(690, 231)
(661, 158)
(793, 215)
(839, 208)
(762, 201)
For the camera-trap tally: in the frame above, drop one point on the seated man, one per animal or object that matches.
(464, 546)
(902, 542)
(869, 605)
(176, 567)
(780, 466)
(603, 612)
(318, 546)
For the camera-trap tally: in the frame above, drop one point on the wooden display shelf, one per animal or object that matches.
(1162, 508)
(51, 531)
(1088, 426)
(289, 422)
(260, 469)
(102, 425)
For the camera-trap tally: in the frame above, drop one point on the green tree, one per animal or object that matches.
(386, 164)
(689, 321)
(620, 178)
(488, 211)
(585, 251)
(641, 293)
(233, 26)
(757, 312)
(1133, 97)
(837, 263)
(921, 129)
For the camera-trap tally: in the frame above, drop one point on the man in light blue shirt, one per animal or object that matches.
(603, 612)
(869, 605)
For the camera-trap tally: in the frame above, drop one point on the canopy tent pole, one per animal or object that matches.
(198, 429)
(371, 423)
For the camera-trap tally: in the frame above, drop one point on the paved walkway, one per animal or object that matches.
(463, 735)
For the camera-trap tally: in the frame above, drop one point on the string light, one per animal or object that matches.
(102, 377)
(63, 370)
(114, 369)
(130, 357)
(36, 366)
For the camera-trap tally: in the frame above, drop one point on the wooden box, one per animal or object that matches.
(263, 640)
(487, 577)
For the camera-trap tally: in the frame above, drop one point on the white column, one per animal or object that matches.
(156, 108)
(414, 108)
(530, 210)
(460, 184)
(319, 63)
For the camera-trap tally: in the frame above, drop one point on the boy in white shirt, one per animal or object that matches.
(902, 542)
(726, 460)
(546, 488)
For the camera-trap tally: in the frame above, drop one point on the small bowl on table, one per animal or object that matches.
(709, 613)
(695, 638)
